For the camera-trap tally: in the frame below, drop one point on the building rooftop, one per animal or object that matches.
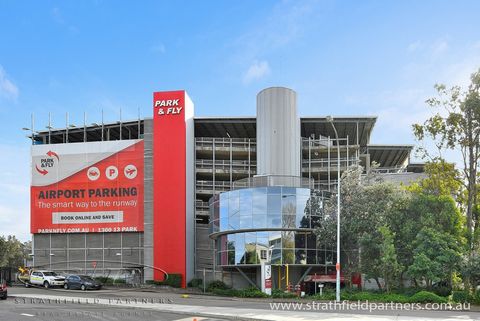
(389, 155)
(357, 128)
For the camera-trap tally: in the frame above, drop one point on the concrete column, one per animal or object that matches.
(278, 132)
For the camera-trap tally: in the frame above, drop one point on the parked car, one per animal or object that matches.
(46, 279)
(3, 290)
(82, 282)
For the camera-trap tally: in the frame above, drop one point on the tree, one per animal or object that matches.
(365, 203)
(379, 257)
(417, 211)
(436, 256)
(388, 258)
(442, 179)
(456, 125)
(12, 252)
(470, 269)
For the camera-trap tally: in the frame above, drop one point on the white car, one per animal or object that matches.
(46, 279)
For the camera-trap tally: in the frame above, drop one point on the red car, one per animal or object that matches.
(3, 290)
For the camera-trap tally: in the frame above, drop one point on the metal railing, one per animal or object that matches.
(325, 185)
(221, 186)
(273, 180)
(324, 142)
(201, 205)
(390, 170)
(225, 164)
(325, 163)
(243, 143)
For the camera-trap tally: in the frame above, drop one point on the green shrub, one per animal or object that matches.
(173, 280)
(462, 297)
(426, 297)
(104, 280)
(217, 285)
(226, 292)
(326, 295)
(195, 283)
(277, 293)
(442, 291)
(374, 296)
(252, 292)
(418, 297)
(408, 291)
(119, 281)
(476, 297)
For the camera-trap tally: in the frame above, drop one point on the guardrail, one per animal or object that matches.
(324, 142)
(208, 185)
(201, 205)
(226, 164)
(325, 163)
(243, 143)
(273, 180)
(390, 170)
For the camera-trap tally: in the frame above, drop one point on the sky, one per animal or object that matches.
(378, 58)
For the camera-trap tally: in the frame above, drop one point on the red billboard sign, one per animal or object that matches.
(87, 187)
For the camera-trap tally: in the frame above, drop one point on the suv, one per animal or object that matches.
(46, 279)
(3, 290)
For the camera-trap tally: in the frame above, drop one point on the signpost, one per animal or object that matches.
(266, 271)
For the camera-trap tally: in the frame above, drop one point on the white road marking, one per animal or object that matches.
(27, 315)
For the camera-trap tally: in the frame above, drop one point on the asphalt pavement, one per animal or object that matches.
(18, 309)
(135, 304)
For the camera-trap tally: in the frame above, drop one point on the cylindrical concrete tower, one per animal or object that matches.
(278, 132)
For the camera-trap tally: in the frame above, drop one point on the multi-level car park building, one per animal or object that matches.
(248, 190)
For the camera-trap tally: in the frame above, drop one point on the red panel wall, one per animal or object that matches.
(169, 194)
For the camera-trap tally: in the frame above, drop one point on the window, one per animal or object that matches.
(263, 254)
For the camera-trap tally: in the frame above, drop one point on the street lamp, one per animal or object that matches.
(337, 266)
(31, 129)
(32, 133)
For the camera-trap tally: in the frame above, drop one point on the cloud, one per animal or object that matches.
(160, 48)
(256, 71)
(403, 104)
(7, 87)
(439, 47)
(286, 23)
(440, 62)
(57, 15)
(414, 46)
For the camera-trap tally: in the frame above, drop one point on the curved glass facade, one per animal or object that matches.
(268, 224)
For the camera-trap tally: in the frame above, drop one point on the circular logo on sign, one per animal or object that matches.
(111, 172)
(130, 171)
(93, 173)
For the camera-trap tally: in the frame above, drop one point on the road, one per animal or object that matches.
(12, 311)
(132, 304)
